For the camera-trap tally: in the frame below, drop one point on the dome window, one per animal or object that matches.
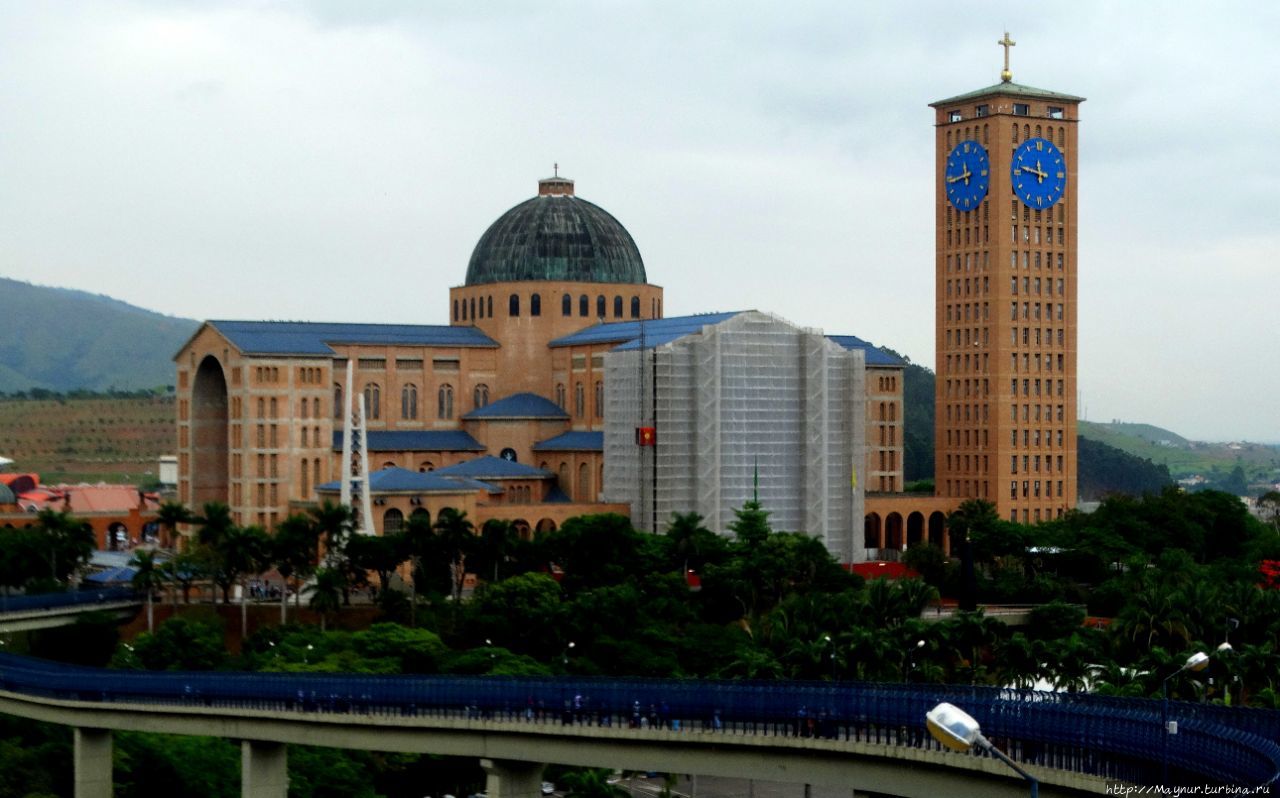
(566, 305)
(617, 307)
(513, 306)
(535, 305)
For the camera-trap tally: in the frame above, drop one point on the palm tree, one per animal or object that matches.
(169, 515)
(326, 594)
(294, 553)
(497, 538)
(214, 522)
(457, 536)
(333, 522)
(244, 551)
(684, 533)
(147, 578)
(183, 570)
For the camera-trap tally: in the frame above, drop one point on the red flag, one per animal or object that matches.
(646, 436)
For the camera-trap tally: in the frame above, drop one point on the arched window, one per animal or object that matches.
(303, 408)
(535, 305)
(409, 402)
(464, 310)
(584, 306)
(481, 396)
(473, 308)
(635, 307)
(315, 407)
(455, 310)
(489, 309)
(566, 305)
(306, 483)
(584, 483)
(564, 479)
(579, 400)
(599, 398)
(513, 305)
(392, 522)
(426, 466)
(560, 395)
(600, 307)
(444, 402)
(372, 401)
(617, 307)
(315, 471)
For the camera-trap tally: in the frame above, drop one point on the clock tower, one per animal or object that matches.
(1005, 325)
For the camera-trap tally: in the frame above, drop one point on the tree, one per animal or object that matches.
(293, 553)
(214, 522)
(333, 523)
(380, 554)
(497, 539)
(147, 578)
(326, 594)
(169, 515)
(457, 537)
(67, 543)
(689, 539)
(750, 524)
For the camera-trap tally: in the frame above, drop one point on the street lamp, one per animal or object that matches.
(306, 658)
(826, 639)
(564, 658)
(911, 659)
(957, 730)
(1196, 662)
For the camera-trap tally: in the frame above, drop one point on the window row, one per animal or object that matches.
(888, 435)
(1028, 385)
(1030, 259)
(310, 375)
(1028, 519)
(1030, 335)
(1031, 310)
(888, 411)
(580, 399)
(966, 488)
(968, 412)
(482, 307)
(970, 285)
(968, 464)
(1036, 215)
(888, 383)
(970, 312)
(1031, 489)
(968, 261)
(963, 238)
(266, 374)
(1034, 412)
(967, 387)
(967, 437)
(409, 404)
(310, 475)
(962, 217)
(1031, 235)
(1031, 463)
(1035, 363)
(1031, 285)
(969, 364)
(888, 460)
(1032, 437)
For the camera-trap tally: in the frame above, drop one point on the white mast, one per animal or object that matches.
(355, 459)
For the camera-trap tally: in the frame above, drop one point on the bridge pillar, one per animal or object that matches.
(264, 769)
(510, 779)
(92, 763)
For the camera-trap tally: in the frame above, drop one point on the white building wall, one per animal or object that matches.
(754, 395)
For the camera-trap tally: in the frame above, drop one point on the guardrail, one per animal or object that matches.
(76, 598)
(1116, 738)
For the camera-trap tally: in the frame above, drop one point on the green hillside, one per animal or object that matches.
(1184, 458)
(64, 340)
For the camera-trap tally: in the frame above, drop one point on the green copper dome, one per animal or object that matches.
(556, 236)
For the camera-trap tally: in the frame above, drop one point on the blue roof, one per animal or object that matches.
(572, 442)
(656, 331)
(520, 405)
(402, 480)
(875, 355)
(557, 496)
(416, 440)
(315, 338)
(112, 575)
(490, 467)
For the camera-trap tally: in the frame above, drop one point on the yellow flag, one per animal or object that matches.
(854, 480)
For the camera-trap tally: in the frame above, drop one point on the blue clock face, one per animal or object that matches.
(1039, 173)
(968, 175)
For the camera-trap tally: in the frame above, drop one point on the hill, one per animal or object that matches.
(1260, 463)
(88, 439)
(63, 340)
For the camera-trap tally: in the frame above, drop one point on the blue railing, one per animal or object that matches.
(1116, 738)
(76, 598)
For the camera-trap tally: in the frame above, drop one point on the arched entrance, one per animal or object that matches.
(872, 529)
(938, 530)
(522, 529)
(546, 525)
(915, 529)
(209, 434)
(117, 537)
(893, 532)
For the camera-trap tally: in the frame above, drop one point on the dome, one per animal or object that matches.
(556, 236)
(6, 495)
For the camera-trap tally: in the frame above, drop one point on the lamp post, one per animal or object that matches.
(564, 658)
(831, 652)
(1196, 662)
(911, 659)
(957, 730)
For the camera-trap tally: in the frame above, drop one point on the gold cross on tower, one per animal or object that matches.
(1005, 75)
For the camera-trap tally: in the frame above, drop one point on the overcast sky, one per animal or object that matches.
(336, 161)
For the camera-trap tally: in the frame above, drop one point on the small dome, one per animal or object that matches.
(6, 495)
(556, 236)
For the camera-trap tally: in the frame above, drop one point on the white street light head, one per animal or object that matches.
(953, 727)
(1224, 647)
(1196, 662)
(572, 644)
